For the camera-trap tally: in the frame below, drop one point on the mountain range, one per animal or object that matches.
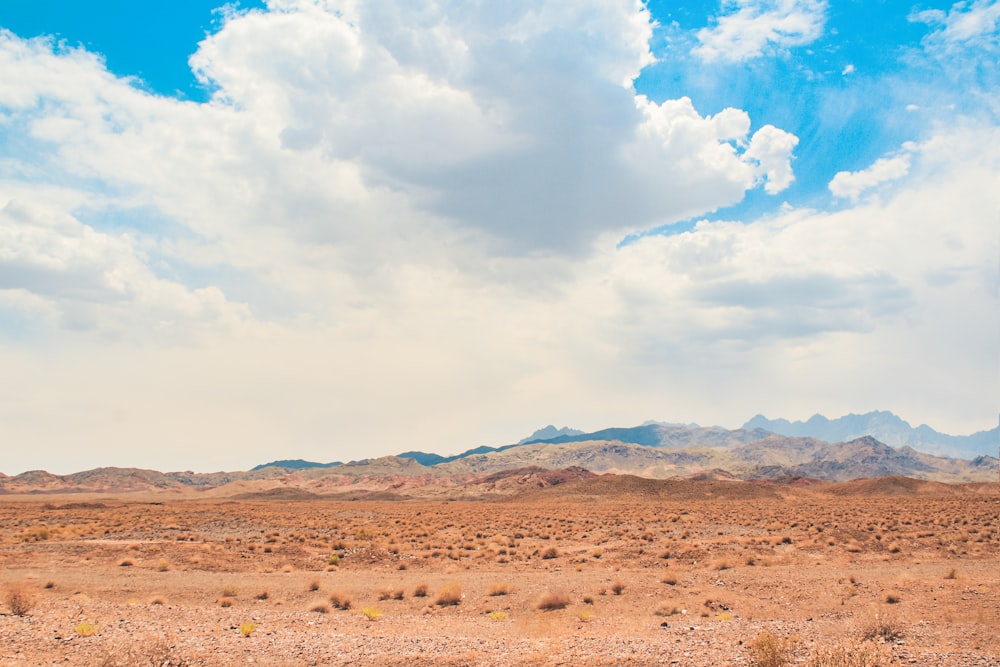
(552, 456)
(888, 428)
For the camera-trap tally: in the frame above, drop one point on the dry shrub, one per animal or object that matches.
(666, 610)
(852, 654)
(320, 607)
(551, 601)
(550, 553)
(229, 591)
(20, 599)
(499, 588)
(885, 629)
(314, 585)
(617, 588)
(226, 602)
(769, 650)
(721, 564)
(449, 595)
(669, 580)
(340, 601)
(144, 652)
(420, 591)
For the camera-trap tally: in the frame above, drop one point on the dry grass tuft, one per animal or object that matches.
(885, 629)
(552, 601)
(851, 654)
(449, 595)
(499, 588)
(420, 591)
(340, 601)
(20, 599)
(769, 650)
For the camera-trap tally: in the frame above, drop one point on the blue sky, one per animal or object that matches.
(396, 226)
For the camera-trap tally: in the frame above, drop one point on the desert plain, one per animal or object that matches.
(601, 571)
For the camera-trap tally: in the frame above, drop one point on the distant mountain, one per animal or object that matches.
(669, 436)
(548, 433)
(887, 428)
(295, 464)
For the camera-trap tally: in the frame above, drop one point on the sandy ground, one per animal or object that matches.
(693, 581)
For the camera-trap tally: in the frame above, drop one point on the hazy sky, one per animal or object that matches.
(337, 230)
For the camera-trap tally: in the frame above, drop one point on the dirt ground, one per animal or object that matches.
(711, 577)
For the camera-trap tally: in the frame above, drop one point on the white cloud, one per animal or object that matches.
(851, 184)
(755, 27)
(975, 24)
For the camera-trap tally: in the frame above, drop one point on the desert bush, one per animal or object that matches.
(371, 613)
(263, 595)
(20, 599)
(340, 601)
(320, 607)
(669, 580)
(721, 564)
(883, 628)
(769, 650)
(449, 595)
(666, 610)
(420, 591)
(617, 588)
(499, 588)
(893, 598)
(851, 654)
(247, 629)
(550, 553)
(553, 600)
(85, 629)
(952, 574)
(584, 615)
(314, 585)
(163, 566)
(498, 615)
(226, 602)
(229, 591)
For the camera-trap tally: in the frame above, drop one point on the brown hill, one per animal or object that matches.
(616, 487)
(894, 486)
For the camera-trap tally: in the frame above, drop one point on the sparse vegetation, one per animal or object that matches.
(851, 654)
(450, 595)
(552, 601)
(884, 629)
(85, 629)
(769, 650)
(247, 629)
(499, 588)
(371, 613)
(340, 601)
(20, 599)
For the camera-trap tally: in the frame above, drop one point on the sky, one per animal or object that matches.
(336, 230)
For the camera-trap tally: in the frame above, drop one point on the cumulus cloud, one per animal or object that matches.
(852, 184)
(752, 28)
